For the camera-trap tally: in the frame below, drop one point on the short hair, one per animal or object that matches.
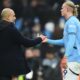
(5, 12)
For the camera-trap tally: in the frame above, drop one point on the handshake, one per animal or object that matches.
(44, 38)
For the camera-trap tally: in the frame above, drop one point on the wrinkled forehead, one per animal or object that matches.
(12, 12)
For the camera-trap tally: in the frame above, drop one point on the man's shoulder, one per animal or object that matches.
(72, 20)
(4, 24)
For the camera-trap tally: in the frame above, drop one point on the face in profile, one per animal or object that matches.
(12, 16)
(64, 10)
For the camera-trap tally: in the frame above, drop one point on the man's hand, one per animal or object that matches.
(45, 40)
(64, 62)
(42, 37)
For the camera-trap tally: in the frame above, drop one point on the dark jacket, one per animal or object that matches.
(11, 55)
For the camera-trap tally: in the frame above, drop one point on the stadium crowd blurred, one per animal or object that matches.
(35, 17)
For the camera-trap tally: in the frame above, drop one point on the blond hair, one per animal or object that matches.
(72, 5)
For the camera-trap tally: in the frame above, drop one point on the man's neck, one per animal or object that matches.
(68, 16)
(5, 19)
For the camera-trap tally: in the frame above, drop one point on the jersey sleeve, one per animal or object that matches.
(72, 28)
(56, 42)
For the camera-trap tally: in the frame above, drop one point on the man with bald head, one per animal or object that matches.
(8, 15)
(12, 61)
